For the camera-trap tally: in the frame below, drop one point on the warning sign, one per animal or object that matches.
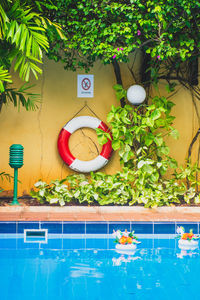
(85, 86)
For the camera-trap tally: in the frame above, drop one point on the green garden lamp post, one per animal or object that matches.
(16, 162)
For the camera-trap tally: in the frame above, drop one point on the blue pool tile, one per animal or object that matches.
(74, 243)
(7, 227)
(167, 228)
(22, 245)
(142, 228)
(164, 243)
(188, 226)
(75, 227)
(26, 225)
(97, 228)
(8, 243)
(52, 244)
(119, 225)
(96, 243)
(145, 244)
(53, 227)
(111, 244)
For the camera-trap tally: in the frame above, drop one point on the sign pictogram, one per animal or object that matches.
(85, 86)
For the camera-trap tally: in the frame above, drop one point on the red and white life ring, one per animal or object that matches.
(78, 165)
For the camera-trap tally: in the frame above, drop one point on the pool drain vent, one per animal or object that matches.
(35, 235)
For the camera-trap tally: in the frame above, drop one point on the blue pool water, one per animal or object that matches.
(87, 267)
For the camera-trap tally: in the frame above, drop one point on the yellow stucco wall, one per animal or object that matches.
(38, 131)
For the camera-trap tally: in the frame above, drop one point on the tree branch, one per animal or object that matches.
(118, 77)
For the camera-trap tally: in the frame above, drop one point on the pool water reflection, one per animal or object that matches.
(91, 269)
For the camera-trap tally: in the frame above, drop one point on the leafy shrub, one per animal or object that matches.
(103, 189)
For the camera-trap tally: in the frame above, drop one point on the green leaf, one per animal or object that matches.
(116, 144)
(140, 164)
(163, 150)
(155, 114)
(124, 117)
(120, 92)
(4, 77)
(158, 140)
(147, 169)
(173, 163)
(174, 133)
(155, 176)
(102, 136)
(110, 116)
(149, 138)
(149, 122)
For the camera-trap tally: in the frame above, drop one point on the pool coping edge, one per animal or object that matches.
(96, 213)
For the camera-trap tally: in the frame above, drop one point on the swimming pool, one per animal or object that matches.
(79, 262)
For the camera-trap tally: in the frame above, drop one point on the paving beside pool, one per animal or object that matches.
(104, 213)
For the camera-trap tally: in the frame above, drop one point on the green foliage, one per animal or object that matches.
(6, 176)
(23, 39)
(190, 173)
(20, 97)
(103, 29)
(41, 6)
(55, 192)
(117, 189)
(139, 134)
(120, 92)
(4, 77)
(101, 188)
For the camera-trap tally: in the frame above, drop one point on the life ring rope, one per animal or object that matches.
(63, 140)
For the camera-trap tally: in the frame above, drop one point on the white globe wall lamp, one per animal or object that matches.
(136, 94)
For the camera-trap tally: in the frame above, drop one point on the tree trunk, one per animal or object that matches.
(193, 71)
(118, 77)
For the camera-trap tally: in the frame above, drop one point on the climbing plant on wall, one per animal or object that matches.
(110, 30)
(164, 35)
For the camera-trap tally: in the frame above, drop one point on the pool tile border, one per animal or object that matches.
(83, 242)
(96, 228)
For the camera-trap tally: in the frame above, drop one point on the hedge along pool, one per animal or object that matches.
(78, 261)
